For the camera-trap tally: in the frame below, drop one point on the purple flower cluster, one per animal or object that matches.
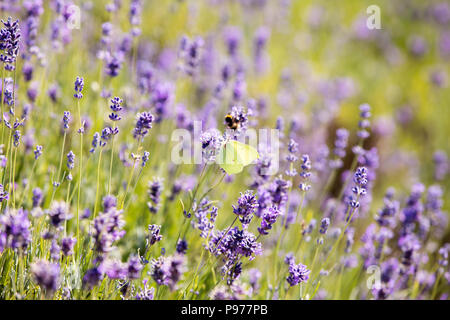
(364, 122)
(305, 173)
(46, 275)
(340, 146)
(66, 119)
(78, 86)
(269, 217)
(15, 230)
(205, 217)
(37, 197)
(291, 157)
(59, 213)
(413, 209)
(324, 224)
(146, 293)
(389, 274)
(359, 190)
(116, 107)
(70, 160)
(143, 124)
(386, 216)
(67, 245)
(168, 271)
(278, 191)
(3, 194)
(211, 141)
(37, 152)
(298, 273)
(155, 188)
(235, 243)
(153, 235)
(9, 43)
(107, 227)
(190, 54)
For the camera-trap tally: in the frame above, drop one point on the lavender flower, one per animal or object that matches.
(37, 197)
(9, 42)
(67, 245)
(155, 188)
(143, 124)
(269, 217)
(211, 141)
(16, 138)
(291, 157)
(55, 250)
(254, 276)
(66, 119)
(205, 214)
(70, 160)
(364, 123)
(59, 213)
(305, 173)
(107, 229)
(145, 158)
(109, 202)
(154, 234)
(146, 293)
(360, 180)
(37, 152)
(116, 107)
(298, 273)
(235, 242)
(95, 142)
(182, 246)
(386, 216)
(15, 227)
(115, 269)
(113, 63)
(190, 53)
(293, 149)
(159, 271)
(411, 213)
(92, 277)
(278, 190)
(3, 194)
(340, 145)
(324, 224)
(409, 244)
(175, 270)
(441, 164)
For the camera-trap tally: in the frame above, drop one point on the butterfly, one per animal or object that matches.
(235, 155)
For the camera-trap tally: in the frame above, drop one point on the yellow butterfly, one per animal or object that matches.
(234, 156)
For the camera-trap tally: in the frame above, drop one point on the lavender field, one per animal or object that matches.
(224, 149)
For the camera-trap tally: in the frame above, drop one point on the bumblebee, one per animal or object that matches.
(231, 122)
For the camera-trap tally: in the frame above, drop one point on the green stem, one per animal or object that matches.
(111, 162)
(131, 175)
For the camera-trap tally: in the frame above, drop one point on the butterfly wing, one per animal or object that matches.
(246, 154)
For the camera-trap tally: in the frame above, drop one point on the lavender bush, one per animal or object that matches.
(94, 203)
